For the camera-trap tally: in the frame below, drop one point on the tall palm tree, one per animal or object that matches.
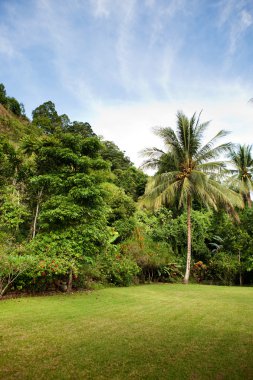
(187, 171)
(241, 158)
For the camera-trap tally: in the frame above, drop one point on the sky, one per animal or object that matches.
(127, 66)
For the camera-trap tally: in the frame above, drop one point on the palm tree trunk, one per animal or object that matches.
(249, 200)
(188, 260)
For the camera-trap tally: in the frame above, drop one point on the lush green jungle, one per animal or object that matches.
(75, 212)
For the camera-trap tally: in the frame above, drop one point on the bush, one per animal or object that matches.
(124, 227)
(223, 269)
(199, 271)
(155, 259)
(13, 264)
(89, 277)
(117, 268)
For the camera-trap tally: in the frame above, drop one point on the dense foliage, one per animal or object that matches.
(72, 215)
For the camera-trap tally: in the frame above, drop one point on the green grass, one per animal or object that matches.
(145, 332)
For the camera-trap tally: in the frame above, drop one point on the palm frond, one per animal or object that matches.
(185, 190)
(154, 155)
(171, 140)
(208, 153)
(212, 167)
(186, 137)
(151, 152)
(240, 156)
(200, 128)
(224, 195)
(161, 189)
(187, 169)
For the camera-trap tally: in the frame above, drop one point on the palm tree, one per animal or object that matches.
(187, 171)
(241, 158)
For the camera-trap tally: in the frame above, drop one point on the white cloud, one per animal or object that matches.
(101, 8)
(235, 19)
(226, 8)
(130, 125)
(150, 3)
(124, 45)
(174, 6)
(145, 69)
(6, 47)
(245, 20)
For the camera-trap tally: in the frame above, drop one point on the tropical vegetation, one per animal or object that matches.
(75, 212)
(187, 172)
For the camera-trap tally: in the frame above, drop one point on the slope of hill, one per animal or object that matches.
(13, 127)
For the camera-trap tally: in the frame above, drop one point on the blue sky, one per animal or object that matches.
(126, 66)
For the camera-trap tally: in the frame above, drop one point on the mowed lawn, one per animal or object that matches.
(143, 332)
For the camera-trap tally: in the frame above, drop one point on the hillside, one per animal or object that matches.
(14, 127)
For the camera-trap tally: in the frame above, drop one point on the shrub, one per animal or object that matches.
(199, 271)
(155, 259)
(117, 268)
(13, 264)
(223, 269)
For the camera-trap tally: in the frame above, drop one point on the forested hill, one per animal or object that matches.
(66, 194)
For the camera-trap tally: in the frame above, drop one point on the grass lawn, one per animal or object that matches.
(145, 332)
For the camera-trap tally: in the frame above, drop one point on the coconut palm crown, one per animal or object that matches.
(241, 158)
(188, 170)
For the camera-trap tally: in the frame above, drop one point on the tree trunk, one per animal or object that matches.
(240, 269)
(18, 199)
(70, 280)
(34, 226)
(188, 260)
(1, 288)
